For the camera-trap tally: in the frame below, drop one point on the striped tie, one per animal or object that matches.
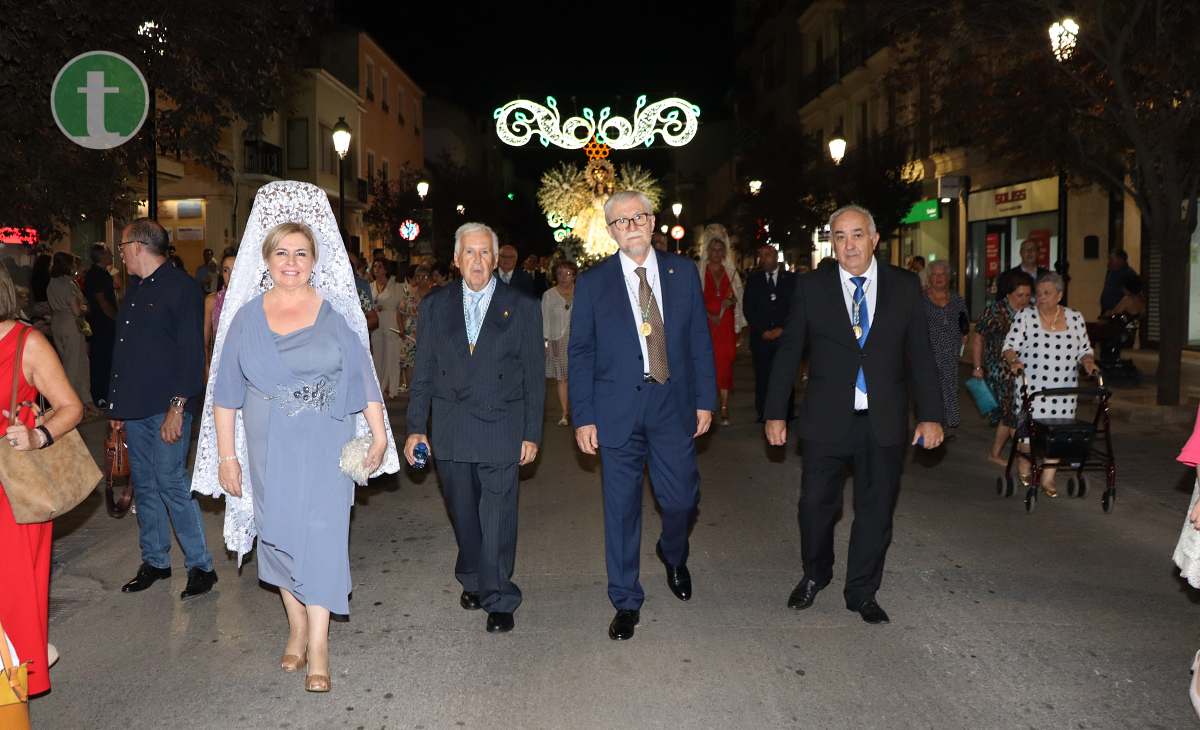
(656, 341)
(864, 321)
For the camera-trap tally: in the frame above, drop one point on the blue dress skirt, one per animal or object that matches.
(294, 440)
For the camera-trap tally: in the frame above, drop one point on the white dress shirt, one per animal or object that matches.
(871, 290)
(632, 285)
(505, 276)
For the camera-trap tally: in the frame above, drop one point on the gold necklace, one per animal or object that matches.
(1050, 327)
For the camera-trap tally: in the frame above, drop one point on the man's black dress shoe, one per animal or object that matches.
(872, 613)
(804, 594)
(199, 583)
(145, 577)
(623, 624)
(500, 623)
(469, 601)
(679, 580)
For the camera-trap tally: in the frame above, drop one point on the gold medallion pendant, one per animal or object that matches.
(857, 332)
(646, 329)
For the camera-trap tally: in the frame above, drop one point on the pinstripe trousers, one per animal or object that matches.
(482, 502)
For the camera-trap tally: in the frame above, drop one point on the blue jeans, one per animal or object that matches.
(162, 491)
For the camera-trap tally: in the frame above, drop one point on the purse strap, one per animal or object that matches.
(9, 668)
(16, 373)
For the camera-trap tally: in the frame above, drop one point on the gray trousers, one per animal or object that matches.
(482, 502)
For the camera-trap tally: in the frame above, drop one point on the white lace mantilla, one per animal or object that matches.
(1187, 550)
(278, 202)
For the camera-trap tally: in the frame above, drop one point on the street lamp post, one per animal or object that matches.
(837, 149)
(422, 190)
(341, 144)
(677, 208)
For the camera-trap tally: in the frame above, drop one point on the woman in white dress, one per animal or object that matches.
(385, 340)
(556, 327)
(1050, 343)
(66, 307)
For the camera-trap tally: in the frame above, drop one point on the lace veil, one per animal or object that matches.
(275, 203)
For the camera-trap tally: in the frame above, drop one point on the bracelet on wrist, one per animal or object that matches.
(47, 438)
(223, 459)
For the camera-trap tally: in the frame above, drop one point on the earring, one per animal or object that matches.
(265, 281)
(312, 279)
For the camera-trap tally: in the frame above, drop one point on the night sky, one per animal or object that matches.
(481, 54)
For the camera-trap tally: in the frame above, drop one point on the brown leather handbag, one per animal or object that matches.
(44, 483)
(116, 473)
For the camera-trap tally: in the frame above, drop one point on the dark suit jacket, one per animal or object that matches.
(484, 404)
(896, 359)
(521, 281)
(761, 313)
(604, 358)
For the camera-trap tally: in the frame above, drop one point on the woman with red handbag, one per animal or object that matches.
(25, 567)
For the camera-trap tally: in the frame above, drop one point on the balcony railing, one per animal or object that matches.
(262, 158)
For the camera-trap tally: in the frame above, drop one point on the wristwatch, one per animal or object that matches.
(178, 402)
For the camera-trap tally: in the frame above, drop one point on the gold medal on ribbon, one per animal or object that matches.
(857, 332)
(646, 329)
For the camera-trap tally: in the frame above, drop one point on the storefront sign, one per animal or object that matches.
(923, 210)
(991, 249)
(1035, 196)
(18, 236)
(1042, 238)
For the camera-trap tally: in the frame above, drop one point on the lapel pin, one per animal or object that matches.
(670, 271)
(506, 314)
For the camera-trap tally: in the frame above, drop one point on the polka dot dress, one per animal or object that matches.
(1051, 358)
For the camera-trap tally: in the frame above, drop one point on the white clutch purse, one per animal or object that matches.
(351, 462)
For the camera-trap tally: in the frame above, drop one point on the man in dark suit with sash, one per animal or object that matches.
(862, 325)
(642, 387)
(479, 368)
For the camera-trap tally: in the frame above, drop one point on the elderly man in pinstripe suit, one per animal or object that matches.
(479, 368)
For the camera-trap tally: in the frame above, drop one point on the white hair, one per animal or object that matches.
(854, 209)
(939, 264)
(621, 197)
(466, 228)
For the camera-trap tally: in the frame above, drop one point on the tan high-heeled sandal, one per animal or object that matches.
(316, 683)
(293, 663)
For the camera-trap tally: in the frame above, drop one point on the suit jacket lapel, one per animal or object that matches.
(840, 318)
(666, 275)
(884, 299)
(499, 309)
(458, 322)
(620, 299)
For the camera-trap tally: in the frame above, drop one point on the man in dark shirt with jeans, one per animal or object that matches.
(157, 387)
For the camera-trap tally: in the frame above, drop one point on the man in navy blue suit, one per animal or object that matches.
(480, 370)
(642, 388)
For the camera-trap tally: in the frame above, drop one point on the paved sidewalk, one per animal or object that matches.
(1066, 617)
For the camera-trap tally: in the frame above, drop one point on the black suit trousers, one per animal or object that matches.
(762, 353)
(876, 487)
(482, 502)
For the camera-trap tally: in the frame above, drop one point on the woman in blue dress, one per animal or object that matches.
(299, 374)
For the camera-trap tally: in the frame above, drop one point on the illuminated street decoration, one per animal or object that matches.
(573, 202)
(675, 120)
(409, 230)
(1063, 37)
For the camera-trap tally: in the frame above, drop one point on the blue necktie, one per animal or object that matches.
(864, 321)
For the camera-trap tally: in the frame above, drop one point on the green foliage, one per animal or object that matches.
(221, 60)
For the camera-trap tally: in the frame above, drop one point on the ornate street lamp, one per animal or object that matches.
(1063, 35)
(422, 190)
(341, 145)
(676, 208)
(837, 149)
(755, 187)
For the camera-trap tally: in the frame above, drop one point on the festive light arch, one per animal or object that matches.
(675, 120)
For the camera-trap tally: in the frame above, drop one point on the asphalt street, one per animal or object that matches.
(1066, 617)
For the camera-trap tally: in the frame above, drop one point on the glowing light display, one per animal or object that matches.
(675, 120)
(409, 230)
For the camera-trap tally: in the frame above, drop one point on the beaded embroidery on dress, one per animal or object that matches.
(275, 203)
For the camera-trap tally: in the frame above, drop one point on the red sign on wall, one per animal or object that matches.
(18, 236)
(1043, 243)
(991, 248)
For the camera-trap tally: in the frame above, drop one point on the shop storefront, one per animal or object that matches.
(926, 232)
(999, 220)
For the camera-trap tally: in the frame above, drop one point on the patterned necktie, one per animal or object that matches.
(474, 317)
(864, 321)
(656, 340)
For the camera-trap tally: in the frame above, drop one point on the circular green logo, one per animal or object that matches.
(99, 100)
